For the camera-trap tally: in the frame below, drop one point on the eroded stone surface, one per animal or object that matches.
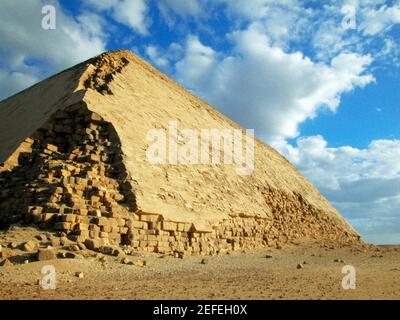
(83, 173)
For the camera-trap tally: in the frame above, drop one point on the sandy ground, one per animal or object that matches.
(240, 275)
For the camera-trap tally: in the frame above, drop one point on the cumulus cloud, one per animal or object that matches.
(156, 57)
(196, 67)
(376, 20)
(23, 39)
(163, 58)
(276, 90)
(132, 13)
(182, 8)
(11, 82)
(289, 23)
(256, 9)
(277, 64)
(364, 184)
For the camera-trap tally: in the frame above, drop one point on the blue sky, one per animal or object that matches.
(318, 80)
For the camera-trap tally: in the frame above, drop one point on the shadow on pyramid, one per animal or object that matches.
(73, 160)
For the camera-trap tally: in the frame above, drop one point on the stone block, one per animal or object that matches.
(68, 218)
(49, 217)
(81, 227)
(169, 226)
(123, 230)
(29, 246)
(103, 222)
(106, 229)
(93, 244)
(46, 254)
(103, 234)
(61, 226)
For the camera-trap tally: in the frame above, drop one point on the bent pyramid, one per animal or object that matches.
(73, 158)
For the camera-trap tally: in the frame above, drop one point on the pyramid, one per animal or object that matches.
(74, 159)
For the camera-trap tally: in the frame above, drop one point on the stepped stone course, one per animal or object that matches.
(73, 160)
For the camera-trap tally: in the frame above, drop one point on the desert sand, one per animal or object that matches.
(80, 194)
(248, 275)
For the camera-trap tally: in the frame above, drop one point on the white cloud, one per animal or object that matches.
(364, 184)
(156, 57)
(379, 20)
(276, 91)
(196, 67)
(103, 4)
(163, 58)
(256, 9)
(182, 8)
(11, 82)
(93, 24)
(132, 13)
(22, 37)
(289, 23)
(69, 43)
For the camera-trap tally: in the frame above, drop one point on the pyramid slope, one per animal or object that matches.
(135, 98)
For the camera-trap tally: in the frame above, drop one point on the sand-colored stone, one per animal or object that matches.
(83, 154)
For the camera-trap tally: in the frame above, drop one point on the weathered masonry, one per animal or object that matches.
(72, 160)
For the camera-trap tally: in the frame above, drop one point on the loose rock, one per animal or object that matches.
(5, 254)
(41, 237)
(13, 245)
(46, 254)
(72, 255)
(6, 263)
(55, 242)
(73, 248)
(29, 246)
(81, 246)
(140, 263)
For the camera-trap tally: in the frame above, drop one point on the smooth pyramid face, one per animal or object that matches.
(74, 155)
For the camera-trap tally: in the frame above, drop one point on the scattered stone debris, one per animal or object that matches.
(7, 253)
(79, 275)
(13, 245)
(46, 254)
(73, 248)
(55, 242)
(81, 246)
(41, 237)
(179, 255)
(6, 263)
(339, 260)
(126, 261)
(74, 179)
(117, 252)
(29, 246)
(300, 266)
(203, 261)
(65, 241)
(140, 263)
(268, 256)
(72, 255)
